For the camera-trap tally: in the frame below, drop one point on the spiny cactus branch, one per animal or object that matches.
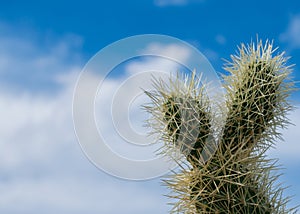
(238, 177)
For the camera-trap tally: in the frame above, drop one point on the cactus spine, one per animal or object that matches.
(238, 177)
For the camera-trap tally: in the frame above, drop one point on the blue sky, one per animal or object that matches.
(44, 46)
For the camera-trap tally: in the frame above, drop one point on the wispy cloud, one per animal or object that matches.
(120, 98)
(292, 34)
(164, 3)
(220, 39)
(287, 152)
(42, 165)
(30, 61)
(289, 149)
(159, 63)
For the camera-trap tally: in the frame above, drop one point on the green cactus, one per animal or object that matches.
(237, 177)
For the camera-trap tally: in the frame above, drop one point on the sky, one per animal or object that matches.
(43, 48)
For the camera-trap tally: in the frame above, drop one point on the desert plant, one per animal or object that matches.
(226, 169)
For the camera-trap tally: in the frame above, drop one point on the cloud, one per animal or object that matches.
(287, 152)
(119, 102)
(164, 3)
(79, 194)
(42, 166)
(289, 149)
(220, 39)
(159, 63)
(292, 34)
(31, 62)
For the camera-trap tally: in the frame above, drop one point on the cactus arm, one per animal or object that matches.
(238, 178)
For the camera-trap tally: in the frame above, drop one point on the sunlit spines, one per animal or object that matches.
(257, 94)
(180, 115)
(238, 178)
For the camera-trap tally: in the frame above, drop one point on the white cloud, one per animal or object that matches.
(79, 193)
(209, 53)
(42, 166)
(126, 92)
(164, 3)
(289, 149)
(287, 152)
(292, 33)
(220, 39)
(159, 63)
(33, 61)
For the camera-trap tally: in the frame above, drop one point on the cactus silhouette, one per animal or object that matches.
(226, 169)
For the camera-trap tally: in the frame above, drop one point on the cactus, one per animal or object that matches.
(237, 177)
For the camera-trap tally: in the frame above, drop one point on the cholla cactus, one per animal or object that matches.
(237, 177)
